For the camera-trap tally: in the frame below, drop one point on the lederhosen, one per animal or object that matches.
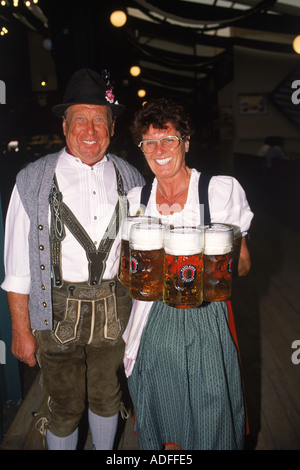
(89, 320)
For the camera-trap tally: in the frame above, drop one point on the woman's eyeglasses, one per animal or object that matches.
(169, 143)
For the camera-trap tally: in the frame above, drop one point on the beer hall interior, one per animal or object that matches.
(236, 67)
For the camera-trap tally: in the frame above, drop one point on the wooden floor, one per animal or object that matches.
(24, 433)
(267, 312)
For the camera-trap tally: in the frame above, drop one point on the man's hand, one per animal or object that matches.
(24, 345)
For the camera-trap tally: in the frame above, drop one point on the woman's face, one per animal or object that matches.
(166, 163)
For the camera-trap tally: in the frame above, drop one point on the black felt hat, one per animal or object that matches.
(89, 87)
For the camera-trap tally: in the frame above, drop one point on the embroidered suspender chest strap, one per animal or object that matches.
(57, 231)
(61, 214)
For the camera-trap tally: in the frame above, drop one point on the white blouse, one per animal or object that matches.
(227, 203)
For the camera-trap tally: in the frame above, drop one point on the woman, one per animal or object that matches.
(182, 364)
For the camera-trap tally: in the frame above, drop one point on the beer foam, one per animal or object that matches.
(129, 221)
(146, 237)
(183, 242)
(217, 240)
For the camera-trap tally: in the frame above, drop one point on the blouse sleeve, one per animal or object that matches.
(134, 198)
(228, 204)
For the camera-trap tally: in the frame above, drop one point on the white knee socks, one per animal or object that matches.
(62, 443)
(103, 430)
(103, 434)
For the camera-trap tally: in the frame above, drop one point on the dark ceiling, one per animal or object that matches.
(178, 43)
(184, 47)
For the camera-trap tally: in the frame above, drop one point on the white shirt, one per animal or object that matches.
(227, 203)
(91, 194)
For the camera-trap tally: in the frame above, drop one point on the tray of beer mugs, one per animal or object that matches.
(183, 266)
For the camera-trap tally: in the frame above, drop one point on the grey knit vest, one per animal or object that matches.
(34, 185)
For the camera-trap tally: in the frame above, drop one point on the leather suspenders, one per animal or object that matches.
(62, 216)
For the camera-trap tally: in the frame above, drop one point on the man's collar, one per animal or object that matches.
(68, 151)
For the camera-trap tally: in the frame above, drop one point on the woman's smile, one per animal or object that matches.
(163, 161)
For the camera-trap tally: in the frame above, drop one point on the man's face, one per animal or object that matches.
(88, 129)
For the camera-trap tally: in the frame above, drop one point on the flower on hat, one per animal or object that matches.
(109, 96)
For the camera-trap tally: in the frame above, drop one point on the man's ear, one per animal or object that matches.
(64, 124)
(112, 129)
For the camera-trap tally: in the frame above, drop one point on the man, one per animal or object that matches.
(61, 260)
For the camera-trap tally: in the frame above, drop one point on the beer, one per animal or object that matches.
(146, 261)
(124, 266)
(183, 267)
(218, 256)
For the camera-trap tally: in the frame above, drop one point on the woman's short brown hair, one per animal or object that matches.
(158, 113)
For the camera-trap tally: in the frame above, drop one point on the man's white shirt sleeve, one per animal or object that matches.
(16, 260)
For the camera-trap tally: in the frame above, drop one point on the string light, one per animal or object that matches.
(15, 3)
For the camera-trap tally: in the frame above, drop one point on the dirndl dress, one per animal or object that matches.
(186, 384)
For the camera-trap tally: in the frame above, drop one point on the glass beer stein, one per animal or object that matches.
(146, 261)
(124, 266)
(183, 267)
(218, 256)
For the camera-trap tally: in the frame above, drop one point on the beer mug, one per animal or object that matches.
(124, 266)
(183, 267)
(218, 256)
(146, 261)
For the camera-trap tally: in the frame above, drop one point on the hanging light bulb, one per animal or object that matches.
(296, 44)
(141, 93)
(118, 18)
(135, 70)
